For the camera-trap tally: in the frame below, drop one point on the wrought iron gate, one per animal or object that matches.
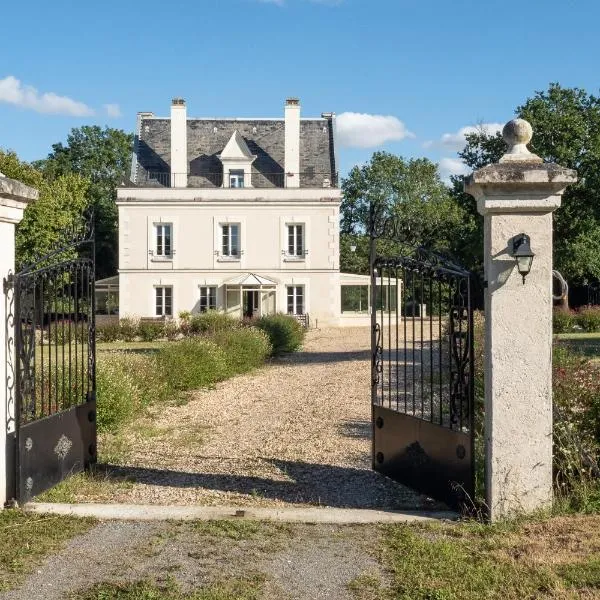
(52, 399)
(422, 374)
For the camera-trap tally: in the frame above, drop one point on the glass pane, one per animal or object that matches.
(159, 301)
(168, 301)
(212, 300)
(225, 240)
(159, 240)
(299, 240)
(167, 240)
(235, 250)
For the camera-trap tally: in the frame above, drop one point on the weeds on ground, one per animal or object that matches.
(25, 539)
(248, 588)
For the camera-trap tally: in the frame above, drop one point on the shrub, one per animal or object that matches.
(588, 318)
(284, 331)
(192, 363)
(185, 317)
(562, 320)
(126, 383)
(149, 331)
(212, 321)
(111, 332)
(63, 332)
(170, 330)
(245, 349)
(128, 329)
(576, 397)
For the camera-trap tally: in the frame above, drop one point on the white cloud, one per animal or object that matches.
(361, 130)
(113, 110)
(456, 141)
(12, 91)
(452, 166)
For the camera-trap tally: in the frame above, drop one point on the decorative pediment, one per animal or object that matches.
(237, 149)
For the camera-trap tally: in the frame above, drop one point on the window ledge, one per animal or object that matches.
(161, 259)
(228, 259)
(294, 259)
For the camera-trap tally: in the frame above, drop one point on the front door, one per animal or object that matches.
(251, 298)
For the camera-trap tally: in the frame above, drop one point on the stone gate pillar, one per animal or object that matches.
(517, 196)
(14, 197)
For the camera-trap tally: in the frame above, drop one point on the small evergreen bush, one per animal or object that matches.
(562, 320)
(245, 349)
(211, 321)
(149, 331)
(284, 331)
(111, 332)
(192, 363)
(128, 329)
(588, 318)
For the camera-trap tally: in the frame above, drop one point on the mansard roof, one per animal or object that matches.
(207, 139)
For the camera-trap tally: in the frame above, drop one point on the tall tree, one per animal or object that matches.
(566, 130)
(103, 156)
(59, 210)
(411, 194)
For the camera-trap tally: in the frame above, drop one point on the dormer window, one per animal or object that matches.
(237, 162)
(236, 179)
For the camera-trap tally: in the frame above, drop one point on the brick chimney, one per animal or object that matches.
(292, 143)
(179, 161)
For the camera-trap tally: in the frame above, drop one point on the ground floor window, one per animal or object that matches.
(295, 299)
(208, 298)
(164, 301)
(355, 298)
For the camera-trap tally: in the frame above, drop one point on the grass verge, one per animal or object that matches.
(554, 558)
(25, 540)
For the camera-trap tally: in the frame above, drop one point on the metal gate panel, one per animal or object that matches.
(53, 358)
(422, 366)
(424, 456)
(52, 448)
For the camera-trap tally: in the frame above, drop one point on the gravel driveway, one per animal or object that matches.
(295, 432)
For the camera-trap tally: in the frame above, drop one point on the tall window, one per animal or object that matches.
(296, 240)
(208, 298)
(231, 240)
(295, 299)
(236, 179)
(164, 301)
(164, 239)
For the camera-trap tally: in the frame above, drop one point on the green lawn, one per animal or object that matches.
(587, 344)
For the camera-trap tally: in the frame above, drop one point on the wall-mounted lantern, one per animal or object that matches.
(521, 251)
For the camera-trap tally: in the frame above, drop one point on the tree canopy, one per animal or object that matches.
(566, 130)
(60, 208)
(411, 193)
(103, 158)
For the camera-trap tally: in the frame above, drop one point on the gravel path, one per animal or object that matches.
(295, 432)
(299, 562)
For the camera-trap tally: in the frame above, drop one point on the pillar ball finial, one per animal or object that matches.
(517, 134)
(517, 131)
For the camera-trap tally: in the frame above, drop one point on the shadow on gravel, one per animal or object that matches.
(355, 429)
(321, 485)
(307, 358)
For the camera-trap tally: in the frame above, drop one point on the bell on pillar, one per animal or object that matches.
(517, 197)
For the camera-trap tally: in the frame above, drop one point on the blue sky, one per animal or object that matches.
(404, 76)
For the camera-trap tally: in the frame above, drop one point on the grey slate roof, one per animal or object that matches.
(208, 137)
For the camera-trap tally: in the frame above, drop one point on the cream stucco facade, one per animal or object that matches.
(195, 261)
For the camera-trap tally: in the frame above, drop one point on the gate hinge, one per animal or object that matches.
(8, 283)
